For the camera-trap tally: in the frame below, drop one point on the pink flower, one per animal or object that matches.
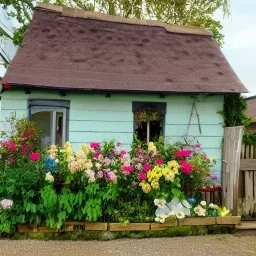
(95, 144)
(25, 149)
(107, 161)
(206, 159)
(118, 144)
(159, 161)
(96, 154)
(111, 176)
(9, 144)
(142, 176)
(139, 152)
(197, 145)
(123, 152)
(182, 153)
(127, 169)
(146, 167)
(11, 160)
(185, 167)
(198, 169)
(34, 156)
(100, 174)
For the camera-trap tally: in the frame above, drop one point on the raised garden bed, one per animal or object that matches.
(71, 226)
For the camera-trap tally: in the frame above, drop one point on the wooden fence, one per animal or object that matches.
(247, 182)
(231, 165)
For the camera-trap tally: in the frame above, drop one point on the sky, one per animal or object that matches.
(240, 41)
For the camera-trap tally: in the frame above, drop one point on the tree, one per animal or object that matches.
(181, 12)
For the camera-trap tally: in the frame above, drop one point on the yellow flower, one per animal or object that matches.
(151, 147)
(155, 184)
(145, 187)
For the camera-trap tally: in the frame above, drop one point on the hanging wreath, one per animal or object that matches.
(148, 114)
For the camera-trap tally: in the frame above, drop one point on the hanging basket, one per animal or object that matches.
(148, 115)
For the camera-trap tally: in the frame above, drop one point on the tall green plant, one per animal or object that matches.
(234, 111)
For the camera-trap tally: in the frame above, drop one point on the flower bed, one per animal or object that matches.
(101, 182)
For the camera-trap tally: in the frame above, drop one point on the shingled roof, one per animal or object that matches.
(251, 110)
(71, 49)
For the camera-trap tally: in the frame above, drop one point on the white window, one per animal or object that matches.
(52, 117)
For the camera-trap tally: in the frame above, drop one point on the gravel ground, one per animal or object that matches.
(220, 245)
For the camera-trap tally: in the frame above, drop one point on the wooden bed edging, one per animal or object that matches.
(70, 226)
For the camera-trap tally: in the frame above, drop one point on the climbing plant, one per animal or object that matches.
(234, 111)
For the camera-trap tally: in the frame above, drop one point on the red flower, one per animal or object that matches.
(6, 85)
(143, 176)
(34, 156)
(95, 144)
(159, 161)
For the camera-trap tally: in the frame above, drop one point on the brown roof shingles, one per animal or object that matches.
(251, 110)
(88, 54)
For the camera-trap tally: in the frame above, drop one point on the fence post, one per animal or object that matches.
(231, 166)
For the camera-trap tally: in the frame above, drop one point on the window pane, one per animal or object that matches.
(44, 120)
(59, 128)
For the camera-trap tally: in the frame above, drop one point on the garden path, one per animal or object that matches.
(219, 245)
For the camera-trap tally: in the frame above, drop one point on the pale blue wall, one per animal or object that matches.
(95, 118)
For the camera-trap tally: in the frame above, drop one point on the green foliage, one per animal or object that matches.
(249, 138)
(234, 111)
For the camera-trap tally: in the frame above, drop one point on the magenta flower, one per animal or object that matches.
(96, 154)
(182, 153)
(185, 167)
(95, 144)
(127, 169)
(142, 176)
(11, 160)
(9, 144)
(146, 167)
(118, 144)
(100, 174)
(123, 152)
(159, 161)
(34, 156)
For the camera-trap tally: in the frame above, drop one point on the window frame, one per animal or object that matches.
(160, 106)
(40, 105)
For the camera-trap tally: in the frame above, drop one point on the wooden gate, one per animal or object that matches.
(231, 165)
(247, 191)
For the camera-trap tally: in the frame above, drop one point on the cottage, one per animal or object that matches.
(83, 76)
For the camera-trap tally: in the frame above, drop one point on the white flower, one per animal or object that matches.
(171, 214)
(203, 203)
(162, 220)
(157, 219)
(213, 206)
(180, 215)
(199, 210)
(6, 203)
(49, 177)
(98, 165)
(160, 202)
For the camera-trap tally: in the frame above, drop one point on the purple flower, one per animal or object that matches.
(111, 176)
(214, 177)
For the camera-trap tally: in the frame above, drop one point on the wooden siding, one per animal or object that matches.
(93, 117)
